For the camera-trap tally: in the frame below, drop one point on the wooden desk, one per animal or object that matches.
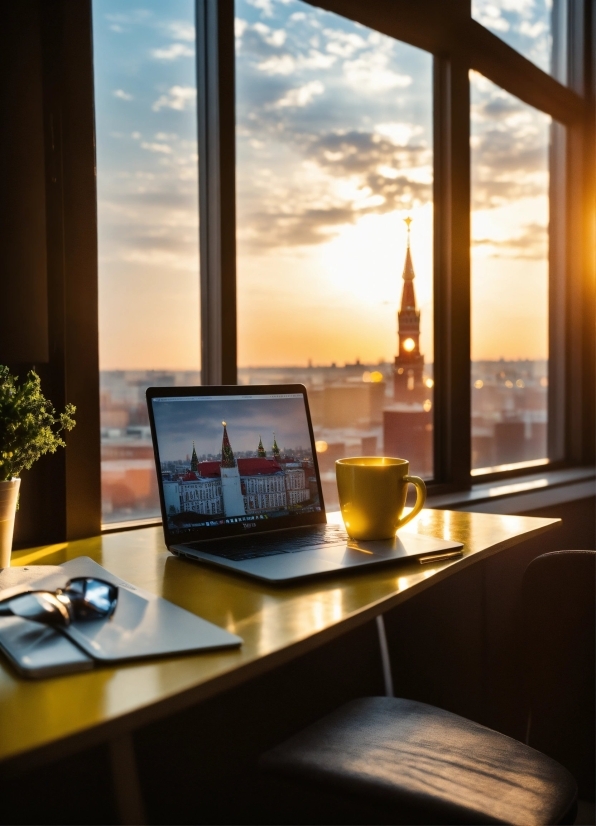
(41, 720)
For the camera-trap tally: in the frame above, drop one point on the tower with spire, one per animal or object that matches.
(261, 453)
(194, 459)
(231, 488)
(275, 449)
(408, 369)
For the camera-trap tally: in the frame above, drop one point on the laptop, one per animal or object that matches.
(240, 488)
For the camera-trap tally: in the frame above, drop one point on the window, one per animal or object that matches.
(334, 195)
(535, 28)
(145, 93)
(510, 279)
(298, 122)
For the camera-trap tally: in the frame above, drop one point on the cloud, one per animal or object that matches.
(370, 71)
(266, 6)
(343, 44)
(178, 97)
(181, 30)
(531, 243)
(287, 64)
(262, 44)
(301, 96)
(150, 219)
(361, 152)
(268, 229)
(331, 127)
(134, 17)
(498, 106)
(122, 95)
(273, 38)
(173, 52)
(239, 27)
(399, 133)
(491, 18)
(346, 175)
(157, 147)
(510, 144)
(278, 65)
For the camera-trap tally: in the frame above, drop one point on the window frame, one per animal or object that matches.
(460, 44)
(62, 497)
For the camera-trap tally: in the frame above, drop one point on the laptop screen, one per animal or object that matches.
(229, 462)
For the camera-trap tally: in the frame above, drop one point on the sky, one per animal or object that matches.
(509, 154)
(334, 150)
(178, 424)
(522, 24)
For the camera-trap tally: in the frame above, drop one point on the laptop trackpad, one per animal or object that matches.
(291, 566)
(316, 561)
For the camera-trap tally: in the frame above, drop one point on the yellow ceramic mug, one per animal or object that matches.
(372, 495)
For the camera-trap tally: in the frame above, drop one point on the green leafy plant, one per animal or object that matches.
(29, 424)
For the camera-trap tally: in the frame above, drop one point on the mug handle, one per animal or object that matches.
(420, 499)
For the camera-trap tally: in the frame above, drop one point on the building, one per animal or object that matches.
(408, 369)
(239, 486)
(233, 502)
(408, 434)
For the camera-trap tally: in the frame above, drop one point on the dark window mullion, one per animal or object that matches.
(217, 191)
(558, 279)
(452, 272)
(579, 389)
(517, 75)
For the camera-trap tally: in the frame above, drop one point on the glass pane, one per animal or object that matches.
(145, 94)
(510, 266)
(334, 145)
(535, 28)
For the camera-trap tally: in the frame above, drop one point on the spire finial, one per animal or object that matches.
(407, 222)
(261, 450)
(408, 273)
(227, 455)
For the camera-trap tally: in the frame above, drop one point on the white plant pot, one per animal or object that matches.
(9, 496)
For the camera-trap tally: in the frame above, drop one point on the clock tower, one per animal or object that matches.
(408, 384)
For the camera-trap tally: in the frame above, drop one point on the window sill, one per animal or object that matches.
(539, 490)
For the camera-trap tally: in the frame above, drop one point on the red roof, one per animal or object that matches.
(209, 469)
(258, 467)
(246, 467)
(189, 477)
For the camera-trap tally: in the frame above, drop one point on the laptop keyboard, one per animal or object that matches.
(273, 545)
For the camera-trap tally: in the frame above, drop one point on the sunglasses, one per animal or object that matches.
(82, 598)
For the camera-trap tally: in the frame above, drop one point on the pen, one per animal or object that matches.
(440, 557)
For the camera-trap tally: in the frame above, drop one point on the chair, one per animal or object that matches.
(392, 760)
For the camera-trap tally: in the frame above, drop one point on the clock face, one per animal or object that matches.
(409, 345)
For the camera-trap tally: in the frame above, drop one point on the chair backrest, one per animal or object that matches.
(560, 619)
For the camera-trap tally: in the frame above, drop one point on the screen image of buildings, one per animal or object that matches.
(230, 487)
